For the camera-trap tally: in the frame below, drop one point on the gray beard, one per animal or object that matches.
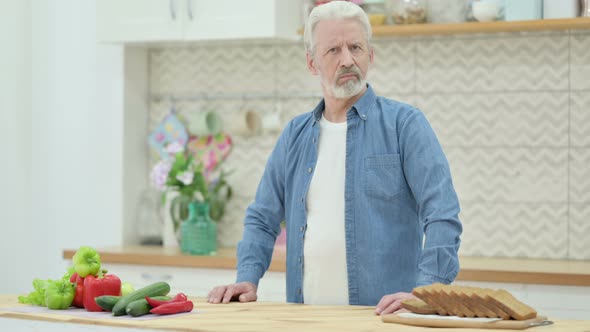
(348, 89)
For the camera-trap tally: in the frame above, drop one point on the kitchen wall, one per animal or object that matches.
(15, 137)
(512, 111)
(62, 133)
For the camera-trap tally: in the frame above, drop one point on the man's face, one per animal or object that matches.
(341, 57)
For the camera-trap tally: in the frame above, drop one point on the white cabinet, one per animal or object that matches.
(197, 20)
(196, 281)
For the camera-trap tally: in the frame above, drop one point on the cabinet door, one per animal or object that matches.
(231, 19)
(140, 20)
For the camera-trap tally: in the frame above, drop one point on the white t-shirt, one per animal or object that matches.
(325, 279)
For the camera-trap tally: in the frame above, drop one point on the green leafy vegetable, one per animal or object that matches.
(36, 297)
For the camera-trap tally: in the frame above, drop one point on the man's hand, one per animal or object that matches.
(242, 291)
(392, 303)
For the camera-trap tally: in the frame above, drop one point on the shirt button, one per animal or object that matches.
(364, 116)
(313, 140)
(299, 259)
(301, 229)
(309, 170)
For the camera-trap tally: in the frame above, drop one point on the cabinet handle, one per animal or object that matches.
(189, 7)
(173, 9)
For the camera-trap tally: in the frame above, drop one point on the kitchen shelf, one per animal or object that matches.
(481, 27)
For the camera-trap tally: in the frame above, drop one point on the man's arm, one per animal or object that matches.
(261, 227)
(427, 172)
(263, 217)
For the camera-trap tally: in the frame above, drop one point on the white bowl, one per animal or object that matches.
(485, 11)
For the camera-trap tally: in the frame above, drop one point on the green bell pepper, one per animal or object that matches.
(59, 294)
(86, 261)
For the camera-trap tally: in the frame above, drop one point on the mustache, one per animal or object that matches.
(352, 70)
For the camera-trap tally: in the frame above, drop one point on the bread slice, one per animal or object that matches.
(441, 291)
(424, 293)
(461, 308)
(476, 306)
(480, 295)
(418, 306)
(460, 293)
(511, 305)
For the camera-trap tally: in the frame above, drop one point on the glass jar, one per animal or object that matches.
(585, 10)
(447, 11)
(147, 218)
(199, 231)
(375, 10)
(407, 11)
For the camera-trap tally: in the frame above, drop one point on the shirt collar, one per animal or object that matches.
(361, 107)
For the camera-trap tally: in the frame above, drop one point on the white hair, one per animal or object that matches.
(334, 10)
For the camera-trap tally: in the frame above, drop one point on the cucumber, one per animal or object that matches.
(142, 307)
(159, 288)
(107, 302)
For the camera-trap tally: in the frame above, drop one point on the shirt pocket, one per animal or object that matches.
(383, 176)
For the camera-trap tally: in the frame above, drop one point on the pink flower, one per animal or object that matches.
(159, 174)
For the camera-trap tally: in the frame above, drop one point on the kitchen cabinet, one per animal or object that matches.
(132, 21)
(196, 281)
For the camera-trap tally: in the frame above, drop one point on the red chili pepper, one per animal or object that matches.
(79, 297)
(173, 308)
(180, 297)
(107, 284)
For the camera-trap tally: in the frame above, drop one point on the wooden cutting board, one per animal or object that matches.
(436, 322)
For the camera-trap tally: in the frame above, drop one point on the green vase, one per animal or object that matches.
(199, 231)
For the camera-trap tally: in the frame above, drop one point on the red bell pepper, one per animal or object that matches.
(180, 297)
(173, 308)
(104, 284)
(79, 296)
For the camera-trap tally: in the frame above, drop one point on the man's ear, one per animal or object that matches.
(371, 56)
(311, 64)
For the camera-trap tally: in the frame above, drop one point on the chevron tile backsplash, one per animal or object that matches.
(512, 111)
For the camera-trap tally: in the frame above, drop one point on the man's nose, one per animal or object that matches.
(346, 58)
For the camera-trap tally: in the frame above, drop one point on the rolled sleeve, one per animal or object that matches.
(263, 218)
(429, 177)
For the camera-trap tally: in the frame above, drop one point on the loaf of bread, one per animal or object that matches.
(464, 301)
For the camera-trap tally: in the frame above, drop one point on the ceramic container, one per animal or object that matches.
(485, 11)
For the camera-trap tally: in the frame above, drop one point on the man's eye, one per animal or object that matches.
(332, 50)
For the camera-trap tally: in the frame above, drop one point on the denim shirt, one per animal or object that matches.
(398, 192)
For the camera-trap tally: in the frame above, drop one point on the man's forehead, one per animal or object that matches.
(335, 30)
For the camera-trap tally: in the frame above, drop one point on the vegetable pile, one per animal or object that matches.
(86, 285)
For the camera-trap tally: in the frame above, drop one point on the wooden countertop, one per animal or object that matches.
(256, 316)
(511, 270)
